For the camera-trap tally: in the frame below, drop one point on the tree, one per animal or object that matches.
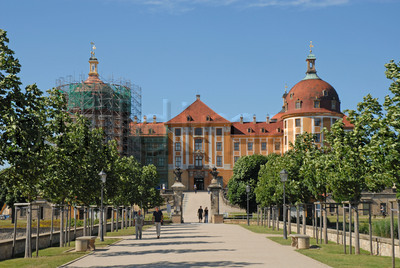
(245, 172)
(149, 196)
(23, 119)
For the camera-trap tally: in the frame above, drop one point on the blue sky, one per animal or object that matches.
(237, 54)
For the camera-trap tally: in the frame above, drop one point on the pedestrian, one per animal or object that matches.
(157, 220)
(138, 221)
(206, 215)
(200, 214)
(195, 188)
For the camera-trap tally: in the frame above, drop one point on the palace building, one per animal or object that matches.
(199, 139)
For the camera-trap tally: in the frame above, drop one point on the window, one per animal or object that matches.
(317, 122)
(177, 146)
(236, 158)
(149, 160)
(177, 131)
(285, 124)
(333, 105)
(161, 161)
(263, 146)
(178, 161)
(198, 161)
(250, 146)
(297, 122)
(316, 104)
(285, 140)
(298, 104)
(236, 146)
(198, 144)
(317, 137)
(219, 131)
(150, 131)
(325, 93)
(334, 120)
(198, 131)
(219, 161)
(277, 146)
(219, 146)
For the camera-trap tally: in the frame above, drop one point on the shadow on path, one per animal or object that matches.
(164, 244)
(186, 264)
(158, 251)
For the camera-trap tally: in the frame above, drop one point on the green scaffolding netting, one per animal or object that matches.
(98, 97)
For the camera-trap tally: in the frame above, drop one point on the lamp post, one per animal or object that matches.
(284, 177)
(103, 177)
(248, 191)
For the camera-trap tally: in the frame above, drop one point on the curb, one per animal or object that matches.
(84, 256)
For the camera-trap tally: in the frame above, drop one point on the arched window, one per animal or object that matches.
(298, 104)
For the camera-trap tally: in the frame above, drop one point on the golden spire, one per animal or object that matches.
(285, 88)
(92, 51)
(311, 46)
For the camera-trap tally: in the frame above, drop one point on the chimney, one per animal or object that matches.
(267, 119)
(241, 119)
(254, 119)
(144, 119)
(198, 97)
(135, 119)
(154, 119)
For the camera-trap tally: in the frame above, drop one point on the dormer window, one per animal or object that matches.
(150, 131)
(249, 130)
(208, 118)
(325, 93)
(316, 104)
(298, 104)
(263, 130)
(291, 95)
(333, 105)
(188, 118)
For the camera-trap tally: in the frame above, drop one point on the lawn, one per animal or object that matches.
(331, 253)
(54, 256)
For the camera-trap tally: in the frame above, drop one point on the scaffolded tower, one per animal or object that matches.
(110, 106)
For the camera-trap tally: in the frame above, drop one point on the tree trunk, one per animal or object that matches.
(356, 231)
(325, 224)
(62, 226)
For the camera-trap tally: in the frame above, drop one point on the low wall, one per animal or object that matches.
(44, 241)
(380, 246)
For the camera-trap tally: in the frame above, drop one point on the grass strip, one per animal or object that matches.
(53, 256)
(330, 254)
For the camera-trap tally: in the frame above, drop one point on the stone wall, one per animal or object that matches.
(44, 241)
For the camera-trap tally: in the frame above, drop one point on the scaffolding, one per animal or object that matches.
(110, 106)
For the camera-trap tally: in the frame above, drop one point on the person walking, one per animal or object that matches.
(157, 220)
(138, 221)
(206, 215)
(200, 214)
(195, 188)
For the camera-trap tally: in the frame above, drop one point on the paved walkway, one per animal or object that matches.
(198, 245)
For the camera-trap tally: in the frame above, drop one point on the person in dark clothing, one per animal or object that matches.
(157, 220)
(206, 215)
(200, 214)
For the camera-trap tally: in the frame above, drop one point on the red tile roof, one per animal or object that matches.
(157, 129)
(198, 112)
(256, 129)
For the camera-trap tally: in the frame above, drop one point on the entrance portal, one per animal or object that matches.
(199, 182)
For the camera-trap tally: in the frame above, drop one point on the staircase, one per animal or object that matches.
(192, 201)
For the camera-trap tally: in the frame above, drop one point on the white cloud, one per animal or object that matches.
(181, 6)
